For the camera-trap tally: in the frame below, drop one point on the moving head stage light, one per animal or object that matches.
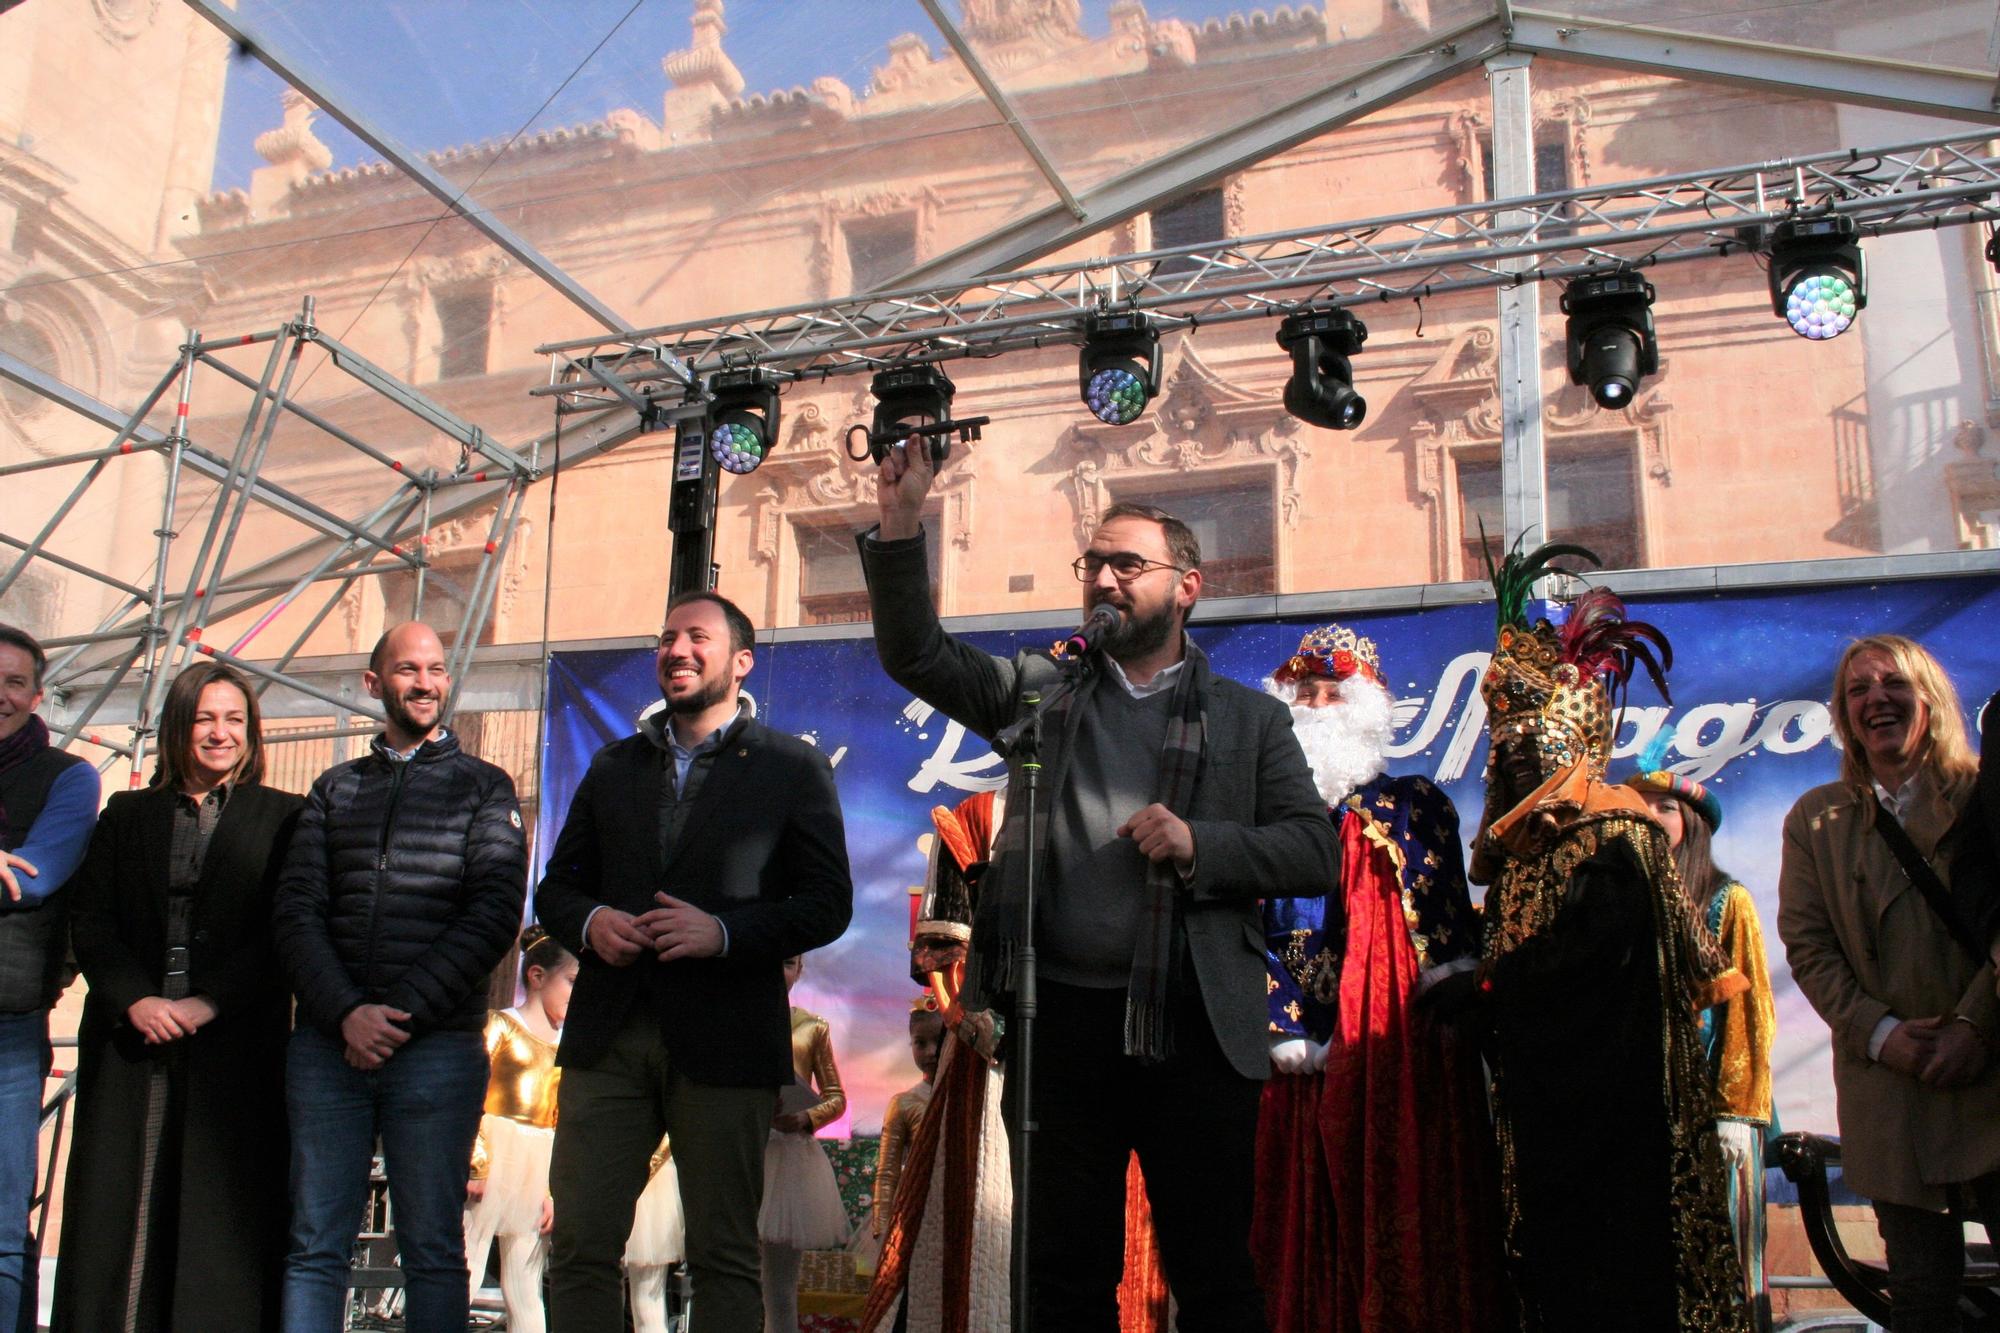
(1118, 372)
(1819, 281)
(743, 416)
(1321, 389)
(1611, 342)
(913, 400)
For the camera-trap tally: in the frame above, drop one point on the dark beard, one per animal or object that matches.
(1139, 637)
(393, 709)
(708, 696)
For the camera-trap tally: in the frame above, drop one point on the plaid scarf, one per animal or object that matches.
(20, 747)
(1000, 920)
(1148, 1015)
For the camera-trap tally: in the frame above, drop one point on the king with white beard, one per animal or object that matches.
(1377, 1203)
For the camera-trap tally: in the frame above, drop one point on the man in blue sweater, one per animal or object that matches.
(48, 805)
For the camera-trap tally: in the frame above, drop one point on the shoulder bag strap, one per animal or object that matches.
(1926, 879)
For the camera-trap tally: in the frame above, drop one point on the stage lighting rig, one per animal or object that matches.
(1611, 342)
(1118, 372)
(1819, 281)
(1321, 389)
(912, 399)
(743, 417)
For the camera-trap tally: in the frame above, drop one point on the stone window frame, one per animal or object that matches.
(829, 261)
(810, 482)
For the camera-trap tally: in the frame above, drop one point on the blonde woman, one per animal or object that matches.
(1909, 995)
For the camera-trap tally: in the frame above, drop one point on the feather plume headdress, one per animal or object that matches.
(1557, 683)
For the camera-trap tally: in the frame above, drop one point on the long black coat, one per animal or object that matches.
(762, 847)
(228, 1224)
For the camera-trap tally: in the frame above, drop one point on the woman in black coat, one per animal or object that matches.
(174, 1209)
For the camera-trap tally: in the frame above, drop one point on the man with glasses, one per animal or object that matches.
(1173, 799)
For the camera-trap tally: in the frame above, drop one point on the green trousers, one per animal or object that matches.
(609, 1121)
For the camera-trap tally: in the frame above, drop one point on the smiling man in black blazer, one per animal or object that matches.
(697, 856)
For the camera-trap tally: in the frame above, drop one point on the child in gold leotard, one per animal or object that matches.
(508, 1196)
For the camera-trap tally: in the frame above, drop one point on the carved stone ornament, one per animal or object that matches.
(828, 260)
(704, 64)
(1463, 170)
(294, 142)
(1567, 114)
(1200, 422)
(486, 264)
(1040, 25)
(122, 20)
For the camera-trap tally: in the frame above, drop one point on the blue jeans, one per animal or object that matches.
(24, 1064)
(424, 1103)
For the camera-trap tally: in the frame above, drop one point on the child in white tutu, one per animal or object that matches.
(802, 1207)
(508, 1196)
(658, 1241)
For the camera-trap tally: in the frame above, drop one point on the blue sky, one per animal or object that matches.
(440, 73)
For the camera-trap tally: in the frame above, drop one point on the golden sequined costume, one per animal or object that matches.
(1743, 1028)
(1593, 970)
(517, 1130)
(899, 1129)
(802, 1204)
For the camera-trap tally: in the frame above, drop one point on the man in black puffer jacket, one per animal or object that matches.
(401, 893)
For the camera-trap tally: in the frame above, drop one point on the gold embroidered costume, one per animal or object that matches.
(1593, 971)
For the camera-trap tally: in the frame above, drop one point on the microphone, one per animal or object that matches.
(1103, 619)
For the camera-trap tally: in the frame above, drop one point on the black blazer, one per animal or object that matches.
(762, 848)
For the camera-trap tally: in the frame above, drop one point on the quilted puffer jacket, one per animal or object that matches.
(403, 887)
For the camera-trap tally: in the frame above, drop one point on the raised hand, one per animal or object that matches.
(902, 481)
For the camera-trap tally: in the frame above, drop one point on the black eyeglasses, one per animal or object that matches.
(1125, 565)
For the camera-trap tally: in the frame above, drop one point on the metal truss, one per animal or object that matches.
(1500, 243)
(156, 629)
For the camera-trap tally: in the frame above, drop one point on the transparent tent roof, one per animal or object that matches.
(484, 111)
(474, 91)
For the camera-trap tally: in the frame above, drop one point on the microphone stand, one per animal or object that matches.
(1022, 741)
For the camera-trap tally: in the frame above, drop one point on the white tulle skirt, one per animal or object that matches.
(802, 1206)
(659, 1228)
(517, 1178)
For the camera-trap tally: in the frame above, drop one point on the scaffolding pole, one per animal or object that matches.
(151, 633)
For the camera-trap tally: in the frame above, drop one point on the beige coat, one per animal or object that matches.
(1863, 944)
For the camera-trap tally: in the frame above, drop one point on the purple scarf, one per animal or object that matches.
(19, 748)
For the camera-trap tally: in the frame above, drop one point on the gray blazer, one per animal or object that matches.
(1260, 827)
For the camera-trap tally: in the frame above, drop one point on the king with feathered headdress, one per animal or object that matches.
(1589, 981)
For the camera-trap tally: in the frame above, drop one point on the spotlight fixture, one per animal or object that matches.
(1611, 343)
(743, 413)
(1819, 282)
(907, 397)
(1321, 389)
(1993, 249)
(912, 399)
(1119, 371)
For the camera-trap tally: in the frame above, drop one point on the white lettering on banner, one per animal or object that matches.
(833, 760)
(1709, 736)
(945, 768)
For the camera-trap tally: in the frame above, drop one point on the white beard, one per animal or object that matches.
(1344, 744)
